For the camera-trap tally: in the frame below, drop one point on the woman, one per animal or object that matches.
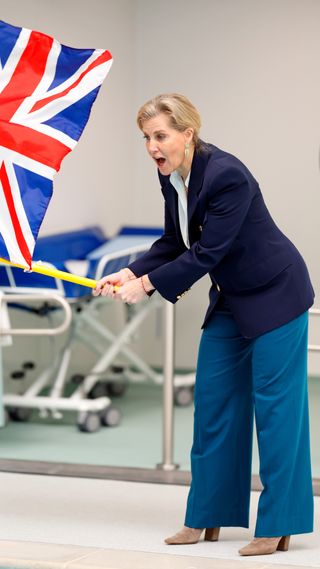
(253, 350)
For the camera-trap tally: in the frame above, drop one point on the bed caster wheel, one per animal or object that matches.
(183, 396)
(77, 379)
(18, 374)
(28, 365)
(98, 390)
(117, 388)
(89, 422)
(117, 369)
(20, 414)
(110, 417)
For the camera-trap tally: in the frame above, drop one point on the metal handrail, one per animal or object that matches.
(36, 331)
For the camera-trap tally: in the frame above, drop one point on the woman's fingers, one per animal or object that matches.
(105, 286)
(129, 292)
(114, 278)
(107, 290)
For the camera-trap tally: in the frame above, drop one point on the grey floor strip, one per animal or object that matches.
(178, 477)
(150, 475)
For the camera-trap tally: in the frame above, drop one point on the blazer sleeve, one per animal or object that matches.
(229, 197)
(161, 252)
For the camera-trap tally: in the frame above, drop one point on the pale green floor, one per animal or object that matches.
(137, 442)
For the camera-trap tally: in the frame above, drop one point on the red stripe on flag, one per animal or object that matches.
(105, 56)
(33, 144)
(13, 214)
(27, 74)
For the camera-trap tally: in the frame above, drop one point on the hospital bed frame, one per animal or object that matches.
(87, 328)
(89, 411)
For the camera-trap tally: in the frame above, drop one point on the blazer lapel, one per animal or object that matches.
(199, 162)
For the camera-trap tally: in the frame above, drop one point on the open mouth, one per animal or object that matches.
(160, 162)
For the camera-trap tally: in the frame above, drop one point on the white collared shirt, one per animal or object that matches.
(180, 186)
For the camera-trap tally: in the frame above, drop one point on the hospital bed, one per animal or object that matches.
(89, 252)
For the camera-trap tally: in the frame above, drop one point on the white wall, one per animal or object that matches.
(250, 66)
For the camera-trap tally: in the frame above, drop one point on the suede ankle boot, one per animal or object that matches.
(188, 536)
(266, 545)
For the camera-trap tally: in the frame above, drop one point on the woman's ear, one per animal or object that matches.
(188, 133)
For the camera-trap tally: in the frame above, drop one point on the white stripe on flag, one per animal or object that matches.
(89, 82)
(14, 58)
(41, 89)
(28, 163)
(36, 96)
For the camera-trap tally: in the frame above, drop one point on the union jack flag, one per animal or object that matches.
(46, 93)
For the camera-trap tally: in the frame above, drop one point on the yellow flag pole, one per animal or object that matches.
(55, 273)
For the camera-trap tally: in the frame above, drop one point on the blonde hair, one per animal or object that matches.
(181, 113)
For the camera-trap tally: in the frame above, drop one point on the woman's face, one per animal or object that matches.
(166, 145)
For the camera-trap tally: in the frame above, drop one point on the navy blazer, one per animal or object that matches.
(233, 237)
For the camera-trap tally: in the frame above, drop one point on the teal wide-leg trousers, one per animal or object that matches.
(237, 379)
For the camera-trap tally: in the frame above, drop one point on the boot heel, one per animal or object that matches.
(212, 534)
(283, 544)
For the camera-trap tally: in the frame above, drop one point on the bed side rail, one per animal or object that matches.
(119, 259)
(25, 298)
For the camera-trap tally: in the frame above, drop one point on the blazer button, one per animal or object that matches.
(200, 227)
(217, 287)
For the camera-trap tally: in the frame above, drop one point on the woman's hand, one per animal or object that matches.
(105, 286)
(135, 290)
(131, 292)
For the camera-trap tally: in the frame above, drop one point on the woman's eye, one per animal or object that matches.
(161, 136)
(146, 137)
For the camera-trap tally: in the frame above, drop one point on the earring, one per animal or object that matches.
(187, 150)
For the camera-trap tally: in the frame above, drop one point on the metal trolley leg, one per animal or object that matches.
(169, 353)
